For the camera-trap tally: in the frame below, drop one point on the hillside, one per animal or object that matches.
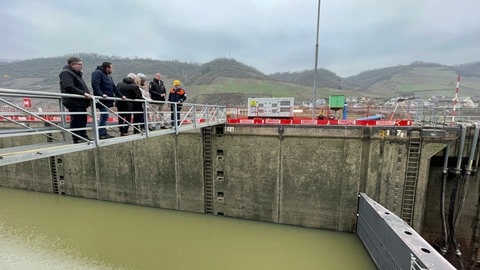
(226, 81)
(417, 79)
(325, 78)
(221, 81)
(224, 67)
(42, 73)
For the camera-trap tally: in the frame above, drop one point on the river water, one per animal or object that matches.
(44, 231)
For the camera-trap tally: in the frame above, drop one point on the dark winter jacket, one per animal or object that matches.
(129, 89)
(102, 84)
(71, 82)
(156, 89)
(177, 95)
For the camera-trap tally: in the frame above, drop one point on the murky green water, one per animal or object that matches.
(42, 231)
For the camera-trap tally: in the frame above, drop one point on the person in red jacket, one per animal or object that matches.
(177, 95)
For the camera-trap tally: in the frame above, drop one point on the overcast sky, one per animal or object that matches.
(270, 35)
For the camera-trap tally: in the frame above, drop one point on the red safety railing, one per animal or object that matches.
(315, 122)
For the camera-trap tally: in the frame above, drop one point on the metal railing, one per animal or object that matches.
(24, 112)
(429, 116)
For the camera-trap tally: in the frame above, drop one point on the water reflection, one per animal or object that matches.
(43, 231)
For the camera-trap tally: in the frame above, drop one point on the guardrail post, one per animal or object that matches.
(194, 109)
(94, 119)
(146, 123)
(63, 120)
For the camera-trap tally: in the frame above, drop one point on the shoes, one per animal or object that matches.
(106, 136)
(123, 134)
(76, 140)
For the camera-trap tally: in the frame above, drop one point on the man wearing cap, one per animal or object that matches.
(176, 95)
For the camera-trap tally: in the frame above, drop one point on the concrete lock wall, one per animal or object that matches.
(291, 175)
(164, 172)
(34, 175)
(307, 176)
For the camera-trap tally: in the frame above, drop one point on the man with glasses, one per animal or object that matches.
(71, 82)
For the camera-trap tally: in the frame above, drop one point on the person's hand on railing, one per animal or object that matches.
(88, 96)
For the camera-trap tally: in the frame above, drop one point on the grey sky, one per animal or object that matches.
(270, 35)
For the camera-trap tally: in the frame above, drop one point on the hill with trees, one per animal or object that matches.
(229, 82)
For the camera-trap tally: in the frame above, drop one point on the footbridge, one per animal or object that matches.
(28, 113)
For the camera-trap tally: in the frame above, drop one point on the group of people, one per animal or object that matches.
(131, 89)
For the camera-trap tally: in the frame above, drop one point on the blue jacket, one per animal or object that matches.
(102, 84)
(177, 95)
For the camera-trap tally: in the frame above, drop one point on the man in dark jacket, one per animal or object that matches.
(130, 90)
(157, 88)
(71, 82)
(157, 92)
(178, 96)
(103, 86)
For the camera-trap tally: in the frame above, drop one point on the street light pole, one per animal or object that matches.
(314, 102)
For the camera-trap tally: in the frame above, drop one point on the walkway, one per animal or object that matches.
(28, 113)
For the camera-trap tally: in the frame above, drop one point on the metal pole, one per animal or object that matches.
(314, 101)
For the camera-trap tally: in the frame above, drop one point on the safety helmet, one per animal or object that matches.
(176, 83)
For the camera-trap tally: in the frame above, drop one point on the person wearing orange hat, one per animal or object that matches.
(177, 95)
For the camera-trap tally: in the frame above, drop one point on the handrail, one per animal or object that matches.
(48, 110)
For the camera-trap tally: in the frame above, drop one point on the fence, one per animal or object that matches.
(31, 112)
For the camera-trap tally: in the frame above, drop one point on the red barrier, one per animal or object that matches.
(385, 123)
(333, 122)
(403, 122)
(272, 121)
(258, 121)
(308, 121)
(346, 122)
(245, 121)
(296, 121)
